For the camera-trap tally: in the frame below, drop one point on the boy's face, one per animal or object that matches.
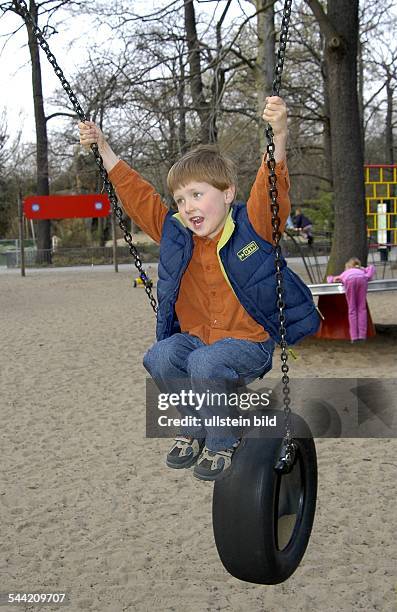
(204, 208)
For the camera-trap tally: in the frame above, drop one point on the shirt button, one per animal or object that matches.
(208, 267)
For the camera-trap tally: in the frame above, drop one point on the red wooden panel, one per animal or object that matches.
(66, 206)
(336, 319)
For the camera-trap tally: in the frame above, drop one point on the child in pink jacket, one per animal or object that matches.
(355, 281)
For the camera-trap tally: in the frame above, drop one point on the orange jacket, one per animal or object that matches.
(206, 306)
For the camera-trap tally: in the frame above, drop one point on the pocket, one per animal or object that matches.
(267, 349)
(268, 346)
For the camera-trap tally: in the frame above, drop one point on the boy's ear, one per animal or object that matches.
(230, 194)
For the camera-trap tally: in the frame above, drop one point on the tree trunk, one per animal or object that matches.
(360, 74)
(218, 80)
(389, 121)
(327, 132)
(265, 61)
(326, 124)
(182, 139)
(340, 28)
(196, 84)
(173, 148)
(44, 227)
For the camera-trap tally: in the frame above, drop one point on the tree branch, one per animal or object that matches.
(60, 114)
(326, 27)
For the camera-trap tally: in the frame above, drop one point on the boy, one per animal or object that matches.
(206, 335)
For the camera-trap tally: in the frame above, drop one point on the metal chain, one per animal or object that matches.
(288, 450)
(22, 10)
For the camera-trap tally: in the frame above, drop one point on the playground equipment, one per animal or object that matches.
(66, 206)
(140, 282)
(381, 211)
(333, 306)
(381, 204)
(63, 207)
(308, 254)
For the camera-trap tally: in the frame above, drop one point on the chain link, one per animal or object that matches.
(22, 10)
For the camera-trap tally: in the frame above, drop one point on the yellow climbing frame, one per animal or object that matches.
(381, 188)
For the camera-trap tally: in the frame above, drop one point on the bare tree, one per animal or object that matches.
(16, 172)
(265, 58)
(100, 88)
(169, 85)
(339, 26)
(377, 23)
(47, 8)
(207, 110)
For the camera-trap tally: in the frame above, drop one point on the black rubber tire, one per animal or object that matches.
(246, 505)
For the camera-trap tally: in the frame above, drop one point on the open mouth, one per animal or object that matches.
(196, 221)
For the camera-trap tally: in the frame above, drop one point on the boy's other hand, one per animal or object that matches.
(275, 113)
(90, 134)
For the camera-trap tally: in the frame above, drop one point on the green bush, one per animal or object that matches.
(320, 210)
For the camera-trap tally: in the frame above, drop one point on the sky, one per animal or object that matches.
(69, 46)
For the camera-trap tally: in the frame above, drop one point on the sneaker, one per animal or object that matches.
(214, 464)
(184, 452)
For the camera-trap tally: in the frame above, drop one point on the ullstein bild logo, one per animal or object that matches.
(247, 250)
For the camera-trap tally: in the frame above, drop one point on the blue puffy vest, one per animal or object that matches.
(247, 262)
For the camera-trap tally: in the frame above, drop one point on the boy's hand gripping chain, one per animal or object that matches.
(22, 9)
(288, 448)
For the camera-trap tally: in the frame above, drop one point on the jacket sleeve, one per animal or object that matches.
(139, 199)
(369, 271)
(258, 205)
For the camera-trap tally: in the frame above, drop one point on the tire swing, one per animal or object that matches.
(262, 515)
(263, 511)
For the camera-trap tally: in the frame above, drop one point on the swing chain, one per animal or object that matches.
(23, 11)
(288, 447)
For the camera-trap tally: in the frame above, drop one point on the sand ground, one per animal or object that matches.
(87, 504)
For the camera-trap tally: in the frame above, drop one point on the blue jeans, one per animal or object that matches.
(185, 362)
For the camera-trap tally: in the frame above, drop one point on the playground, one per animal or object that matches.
(204, 200)
(77, 508)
